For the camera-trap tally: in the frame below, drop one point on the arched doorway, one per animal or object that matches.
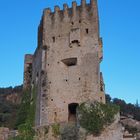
(72, 112)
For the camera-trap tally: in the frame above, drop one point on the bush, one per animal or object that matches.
(56, 129)
(26, 116)
(24, 108)
(95, 116)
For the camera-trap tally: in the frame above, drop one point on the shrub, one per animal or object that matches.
(26, 116)
(95, 116)
(24, 108)
(56, 129)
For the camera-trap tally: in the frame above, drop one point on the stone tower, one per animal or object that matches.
(65, 67)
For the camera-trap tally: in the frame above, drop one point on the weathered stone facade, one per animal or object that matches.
(73, 132)
(65, 67)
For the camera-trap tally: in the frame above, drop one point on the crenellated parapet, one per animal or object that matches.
(65, 67)
(62, 21)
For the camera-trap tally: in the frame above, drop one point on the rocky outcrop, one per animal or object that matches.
(131, 123)
(131, 128)
(72, 131)
(15, 98)
(12, 95)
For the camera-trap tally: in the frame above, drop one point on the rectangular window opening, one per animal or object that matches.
(70, 61)
(87, 30)
(53, 39)
(75, 41)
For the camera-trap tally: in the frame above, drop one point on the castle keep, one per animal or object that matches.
(65, 68)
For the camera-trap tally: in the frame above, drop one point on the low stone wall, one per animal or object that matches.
(4, 133)
(72, 132)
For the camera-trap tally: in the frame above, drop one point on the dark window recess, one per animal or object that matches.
(87, 31)
(33, 82)
(43, 83)
(72, 112)
(44, 47)
(70, 61)
(75, 41)
(44, 95)
(53, 39)
(55, 116)
(37, 74)
(42, 72)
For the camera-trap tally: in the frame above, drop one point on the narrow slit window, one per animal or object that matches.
(53, 39)
(87, 30)
(70, 61)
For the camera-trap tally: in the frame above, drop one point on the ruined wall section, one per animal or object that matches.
(68, 34)
(36, 81)
(27, 71)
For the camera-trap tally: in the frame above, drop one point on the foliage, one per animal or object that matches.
(56, 129)
(10, 90)
(8, 110)
(26, 131)
(108, 98)
(32, 108)
(46, 129)
(95, 116)
(26, 116)
(24, 108)
(126, 108)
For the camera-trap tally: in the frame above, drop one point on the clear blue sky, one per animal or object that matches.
(119, 26)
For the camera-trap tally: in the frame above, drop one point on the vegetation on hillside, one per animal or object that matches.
(8, 109)
(23, 114)
(126, 109)
(10, 90)
(26, 116)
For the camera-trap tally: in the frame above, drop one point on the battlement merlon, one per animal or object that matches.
(52, 21)
(28, 59)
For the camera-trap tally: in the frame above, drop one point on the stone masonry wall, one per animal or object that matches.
(66, 64)
(71, 132)
(71, 33)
